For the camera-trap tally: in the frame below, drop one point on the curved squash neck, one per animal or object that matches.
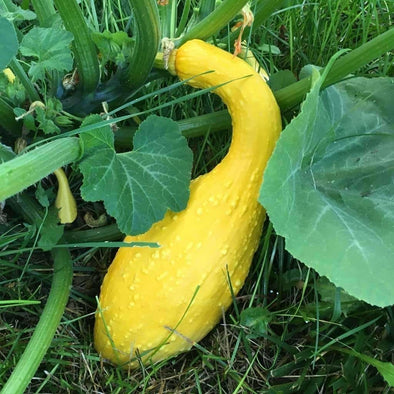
(250, 145)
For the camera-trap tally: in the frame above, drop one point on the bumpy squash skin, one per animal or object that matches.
(183, 285)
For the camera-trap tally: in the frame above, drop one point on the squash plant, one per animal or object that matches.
(85, 96)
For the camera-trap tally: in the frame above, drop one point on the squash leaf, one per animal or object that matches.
(113, 46)
(137, 187)
(329, 186)
(51, 49)
(8, 42)
(50, 230)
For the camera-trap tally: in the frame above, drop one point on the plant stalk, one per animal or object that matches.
(44, 10)
(210, 25)
(110, 232)
(84, 48)
(196, 126)
(47, 325)
(294, 94)
(147, 41)
(18, 70)
(25, 170)
(184, 18)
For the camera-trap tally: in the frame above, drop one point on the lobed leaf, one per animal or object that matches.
(51, 49)
(329, 186)
(137, 187)
(8, 43)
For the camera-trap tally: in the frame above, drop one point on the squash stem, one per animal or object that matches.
(147, 40)
(44, 10)
(47, 325)
(84, 48)
(294, 94)
(184, 18)
(210, 25)
(25, 170)
(166, 16)
(206, 8)
(18, 70)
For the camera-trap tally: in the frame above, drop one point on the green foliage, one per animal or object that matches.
(281, 79)
(256, 320)
(14, 92)
(137, 187)
(386, 369)
(47, 118)
(331, 175)
(17, 13)
(50, 230)
(292, 331)
(50, 49)
(114, 47)
(8, 43)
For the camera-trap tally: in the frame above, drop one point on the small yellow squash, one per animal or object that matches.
(157, 302)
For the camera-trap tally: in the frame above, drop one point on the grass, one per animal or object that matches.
(287, 327)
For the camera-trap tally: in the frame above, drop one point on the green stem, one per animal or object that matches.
(147, 40)
(18, 70)
(7, 119)
(294, 94)
(47, 325)
(165, 12)
(196, 126)
(184, 18)
(31, 211)
(210, 25)
(206, 8)
(22, 203)
(99, 234)
(45, 11)
(27, 169)
(84, 48)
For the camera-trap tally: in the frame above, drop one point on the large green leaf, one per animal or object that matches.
(137, 187)
(329, 186)
(8, 42)
(50, 47)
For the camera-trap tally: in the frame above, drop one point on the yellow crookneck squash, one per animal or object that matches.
(157, 302)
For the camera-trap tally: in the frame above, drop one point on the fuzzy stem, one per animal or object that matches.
(84, 48)
(222, 15)
(147, 40)
(44, 10)
(110, 232)
(25, 170)
(18, 70)
(47, 325)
